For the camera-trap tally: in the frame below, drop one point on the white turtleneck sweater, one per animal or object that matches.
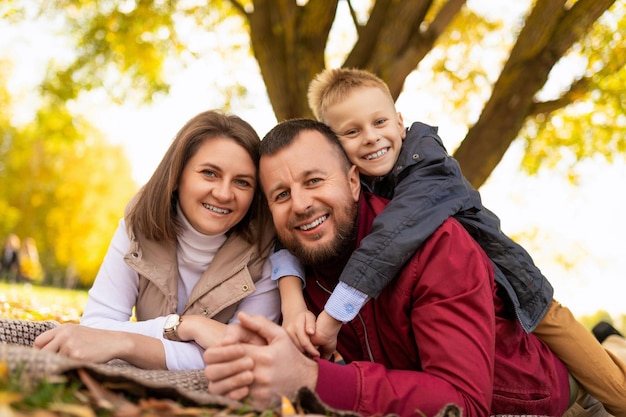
(116, 287)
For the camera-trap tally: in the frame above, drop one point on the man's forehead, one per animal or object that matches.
(307, 147)
(309, 152)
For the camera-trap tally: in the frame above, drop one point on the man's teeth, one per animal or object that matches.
(313, 223)
(216, 209)
(376, 154)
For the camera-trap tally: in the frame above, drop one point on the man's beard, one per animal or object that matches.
(344, 238)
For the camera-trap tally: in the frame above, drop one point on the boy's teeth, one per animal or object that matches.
(376, 154)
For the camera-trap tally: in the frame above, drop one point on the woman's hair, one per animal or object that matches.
(153, 211)
(333, 85)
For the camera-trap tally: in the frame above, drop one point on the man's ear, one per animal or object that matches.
(355, 183)
(401, 126)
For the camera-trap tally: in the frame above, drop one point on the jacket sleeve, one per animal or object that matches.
(451, 316)
(427, 193)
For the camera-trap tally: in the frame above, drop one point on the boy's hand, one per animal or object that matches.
(300, 327)
(326, 331)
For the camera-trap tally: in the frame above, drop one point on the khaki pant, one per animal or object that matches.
(599, 369)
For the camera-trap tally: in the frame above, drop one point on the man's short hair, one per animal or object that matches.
(284, 133)
(333, 85)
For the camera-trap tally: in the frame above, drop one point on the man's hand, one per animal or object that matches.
(237, 369)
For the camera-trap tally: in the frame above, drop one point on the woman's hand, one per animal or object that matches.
(83, 343)
(99, 346)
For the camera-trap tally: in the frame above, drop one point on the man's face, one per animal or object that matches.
(311, 196)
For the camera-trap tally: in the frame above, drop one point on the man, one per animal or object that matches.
(429, 339)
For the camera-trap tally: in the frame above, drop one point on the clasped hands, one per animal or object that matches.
(256, 358)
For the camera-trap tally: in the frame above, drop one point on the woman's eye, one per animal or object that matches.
(243, 183)
(209, 173)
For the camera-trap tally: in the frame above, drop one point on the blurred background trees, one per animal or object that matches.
(62, 189)
(552, 79)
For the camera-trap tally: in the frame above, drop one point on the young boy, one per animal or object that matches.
(425, 185)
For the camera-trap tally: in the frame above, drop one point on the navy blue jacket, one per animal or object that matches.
(426, 187)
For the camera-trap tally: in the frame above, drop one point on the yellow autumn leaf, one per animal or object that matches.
(72, 410)
(286, 407)
(6, 399)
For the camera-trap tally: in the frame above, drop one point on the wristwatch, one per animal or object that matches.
(172, 321)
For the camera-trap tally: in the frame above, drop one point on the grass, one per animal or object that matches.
(31, 302)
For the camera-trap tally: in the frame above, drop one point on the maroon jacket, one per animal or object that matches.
(437, 334)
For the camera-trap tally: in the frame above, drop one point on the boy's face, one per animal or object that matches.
(369, 128)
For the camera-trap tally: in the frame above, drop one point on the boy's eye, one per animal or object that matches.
(380, 122)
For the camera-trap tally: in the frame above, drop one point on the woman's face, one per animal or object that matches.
(217, 186)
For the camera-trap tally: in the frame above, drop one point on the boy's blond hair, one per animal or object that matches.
(333, 85)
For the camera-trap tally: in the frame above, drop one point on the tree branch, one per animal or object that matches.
(443, 19)
(576, 91)
(417, 44)
(361, 54)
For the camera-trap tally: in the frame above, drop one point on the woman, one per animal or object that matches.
(191, 252)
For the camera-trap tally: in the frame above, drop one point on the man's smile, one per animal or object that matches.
(312, 224)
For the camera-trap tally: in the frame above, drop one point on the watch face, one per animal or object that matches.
(171, 321)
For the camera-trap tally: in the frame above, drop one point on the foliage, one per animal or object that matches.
(103, 31)
(591, 320)
(33, 302)
(593, 124)
(77, 189)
